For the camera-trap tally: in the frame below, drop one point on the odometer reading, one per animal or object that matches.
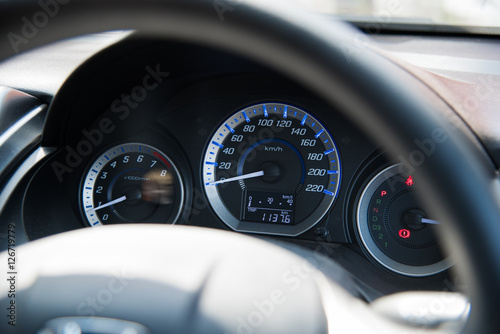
(269, 207)
(278, 150)
(132, 183)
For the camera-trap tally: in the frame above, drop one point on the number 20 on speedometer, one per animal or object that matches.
(271, 168)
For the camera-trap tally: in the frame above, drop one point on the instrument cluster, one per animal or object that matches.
(229, 145)
(270, 168)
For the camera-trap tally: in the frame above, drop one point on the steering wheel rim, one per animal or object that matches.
(328, 58)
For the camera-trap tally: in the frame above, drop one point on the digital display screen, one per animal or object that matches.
(268, 207)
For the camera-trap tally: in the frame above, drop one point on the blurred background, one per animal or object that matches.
(446, 12)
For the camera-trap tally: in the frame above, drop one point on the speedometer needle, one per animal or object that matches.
(236, 178)
(118, 200)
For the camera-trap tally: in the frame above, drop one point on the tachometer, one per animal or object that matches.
(132, 183)
(271, 168)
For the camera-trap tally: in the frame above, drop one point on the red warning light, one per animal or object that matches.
(409, 181)
(404, 233)
(383, 193)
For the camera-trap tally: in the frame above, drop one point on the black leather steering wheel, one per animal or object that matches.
(328, 58)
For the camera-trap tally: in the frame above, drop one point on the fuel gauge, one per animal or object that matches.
(395, 228)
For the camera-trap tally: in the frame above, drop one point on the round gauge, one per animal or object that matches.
(132, 183)
(271, 168)
(395, 228)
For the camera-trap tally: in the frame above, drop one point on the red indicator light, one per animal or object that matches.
(409, 181)
(404, 233)
(383, 193)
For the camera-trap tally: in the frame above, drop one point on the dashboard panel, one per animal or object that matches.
(182, 128)
(156, 102)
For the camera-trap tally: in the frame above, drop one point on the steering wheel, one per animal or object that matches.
(237, 283)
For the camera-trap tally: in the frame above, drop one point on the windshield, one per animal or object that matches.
(483, 13)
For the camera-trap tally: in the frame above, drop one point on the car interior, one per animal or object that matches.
(243, 166)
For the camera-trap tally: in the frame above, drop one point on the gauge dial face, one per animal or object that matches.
(132, 183)
(395, 228)
(271, 168)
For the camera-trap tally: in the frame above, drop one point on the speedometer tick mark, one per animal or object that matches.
(217, 144)
(246, 117)
(319, 133)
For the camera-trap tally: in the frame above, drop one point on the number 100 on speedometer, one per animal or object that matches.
(271, 168)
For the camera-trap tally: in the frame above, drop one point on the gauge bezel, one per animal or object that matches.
(116, 146)
(371, 247)
(264, 228)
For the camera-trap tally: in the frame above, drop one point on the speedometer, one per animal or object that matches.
(271, 168)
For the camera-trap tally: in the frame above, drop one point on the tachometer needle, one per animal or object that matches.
(118, 200)
(236, 178)
(429, 221)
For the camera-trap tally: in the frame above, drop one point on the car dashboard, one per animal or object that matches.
(202, 137)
